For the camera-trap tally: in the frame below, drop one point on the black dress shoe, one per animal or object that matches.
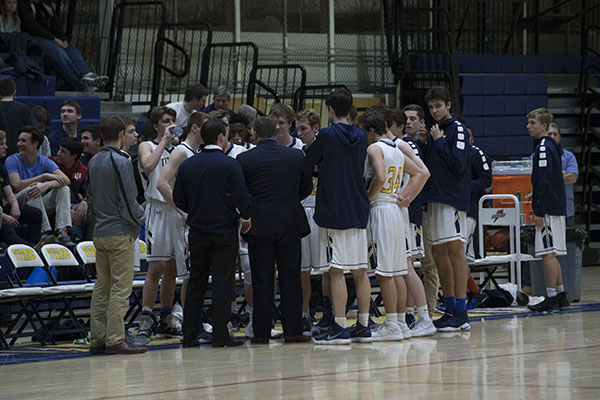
(97, 349)
(259, 340)
(297, 339)
(193, 343)
(228, 343)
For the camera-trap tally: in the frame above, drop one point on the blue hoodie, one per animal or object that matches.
(415, 210)
(547, 179)
(448, 161)
(340, 152)
(481, 178)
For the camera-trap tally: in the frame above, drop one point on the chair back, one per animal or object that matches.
(86, 252)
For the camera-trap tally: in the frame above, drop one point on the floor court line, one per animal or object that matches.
(312, 377)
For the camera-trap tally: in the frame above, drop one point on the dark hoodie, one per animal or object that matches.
(547, 179)
(448, 161)
(340, 152)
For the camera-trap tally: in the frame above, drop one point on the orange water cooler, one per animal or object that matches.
(514, 177)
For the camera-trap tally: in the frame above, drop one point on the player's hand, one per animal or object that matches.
(436, 132)
(539, 221)
(422, 134)
(36, 190)
(183, 214)
(10, 220)
(168, 136)
(246, 225)
(402, 201)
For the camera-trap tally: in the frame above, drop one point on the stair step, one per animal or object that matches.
(101, 95)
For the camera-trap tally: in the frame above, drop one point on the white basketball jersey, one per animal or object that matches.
(150, 180)
(188, 149)
(394, 168)
(296, 143)
(234, 150)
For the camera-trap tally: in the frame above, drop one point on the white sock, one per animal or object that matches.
(392, 318)
(551, 292)
(341, 321)
(423, 313)
(402, 318)
(363, 319)
(410, 310)
(250, 314)
(234, 307)
(305, 315)
(560, 289)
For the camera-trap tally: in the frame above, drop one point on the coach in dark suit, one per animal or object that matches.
(274, 177)
(210, 187)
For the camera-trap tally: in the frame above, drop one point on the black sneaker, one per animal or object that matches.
(307, 327)
(325, 323)
(166, 328)
(410, 320)
(549, 305)
(459, 322)
(442, 321)
(236, 322)
(563, 301)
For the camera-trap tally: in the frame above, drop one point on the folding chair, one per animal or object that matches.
(87, 254)
(503, 216)
(56, 255)
(26, 298)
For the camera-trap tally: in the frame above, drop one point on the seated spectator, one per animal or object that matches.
(194, 100)
(13, 115)
(39, 182)
(17, 215)
(221, 100)
(92, 143)
(131, 136)
(40, 19)
(70, 114)
(9, 21)
(68, 161)
(43, 118)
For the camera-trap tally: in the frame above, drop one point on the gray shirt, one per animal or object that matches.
(112, 194)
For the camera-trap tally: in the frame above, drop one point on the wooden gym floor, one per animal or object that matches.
(518, 356)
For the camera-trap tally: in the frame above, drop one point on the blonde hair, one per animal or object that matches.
(2, 135)
(542, 115)
(309, 115)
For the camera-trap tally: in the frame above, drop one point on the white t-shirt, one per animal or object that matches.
(182, 115)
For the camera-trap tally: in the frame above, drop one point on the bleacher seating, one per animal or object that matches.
(32, 87)
(518, 64)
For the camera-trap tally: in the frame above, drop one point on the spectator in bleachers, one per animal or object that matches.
(68, 161)
(284, 116)
(13, 115)
(43, 118)
(39, 182)
(40, 19)
(17, 215)
(92, 143)
(9, 21)
(70, 114)
(221, 99)
(194, 100)
(570, 173)
(131, 136)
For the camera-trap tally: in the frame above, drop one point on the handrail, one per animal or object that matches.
(300, 93)
(585, 50)
(158, 65)
(250, 100)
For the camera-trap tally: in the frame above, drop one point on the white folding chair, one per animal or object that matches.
(87, 254)
(503, 216)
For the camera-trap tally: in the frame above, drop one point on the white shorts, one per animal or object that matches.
(469, 249)
(387, 240)
(415, 241)
(345, 248)
(407, 230)
(444, 224)
(244, 260)
(166, 235)
(551, 238)
(314, 256)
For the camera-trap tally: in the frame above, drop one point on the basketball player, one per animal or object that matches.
(313, 253)
(182, 152)
(550, 209)
(447, 196)
(385, 231)
(166, 250)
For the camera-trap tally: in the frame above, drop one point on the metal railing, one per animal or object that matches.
(135, 26)
(280, 79)
(229, 65)
(314, 96)
(178, 59)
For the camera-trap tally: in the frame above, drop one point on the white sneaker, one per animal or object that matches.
(387, 331)
(423, 328)
(207, 327)
(249, 331)
(275, 333)
(177, 312)
(405, 330)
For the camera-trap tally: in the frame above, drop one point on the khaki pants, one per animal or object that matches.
(110, 299)
(56, 202)
(430, 273)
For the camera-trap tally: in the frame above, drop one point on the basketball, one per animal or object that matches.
(499, 240)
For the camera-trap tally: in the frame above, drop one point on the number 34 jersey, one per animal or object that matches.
(393, 160)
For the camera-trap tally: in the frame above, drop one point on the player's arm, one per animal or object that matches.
(542, 185)
(375, 157)
(481, 173)
(313, 156)
(168, 174)
(418, 177)
(410, 154)
(149, 158)
(455, 155)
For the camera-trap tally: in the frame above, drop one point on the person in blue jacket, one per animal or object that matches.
(549, 207)
(447, 196)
